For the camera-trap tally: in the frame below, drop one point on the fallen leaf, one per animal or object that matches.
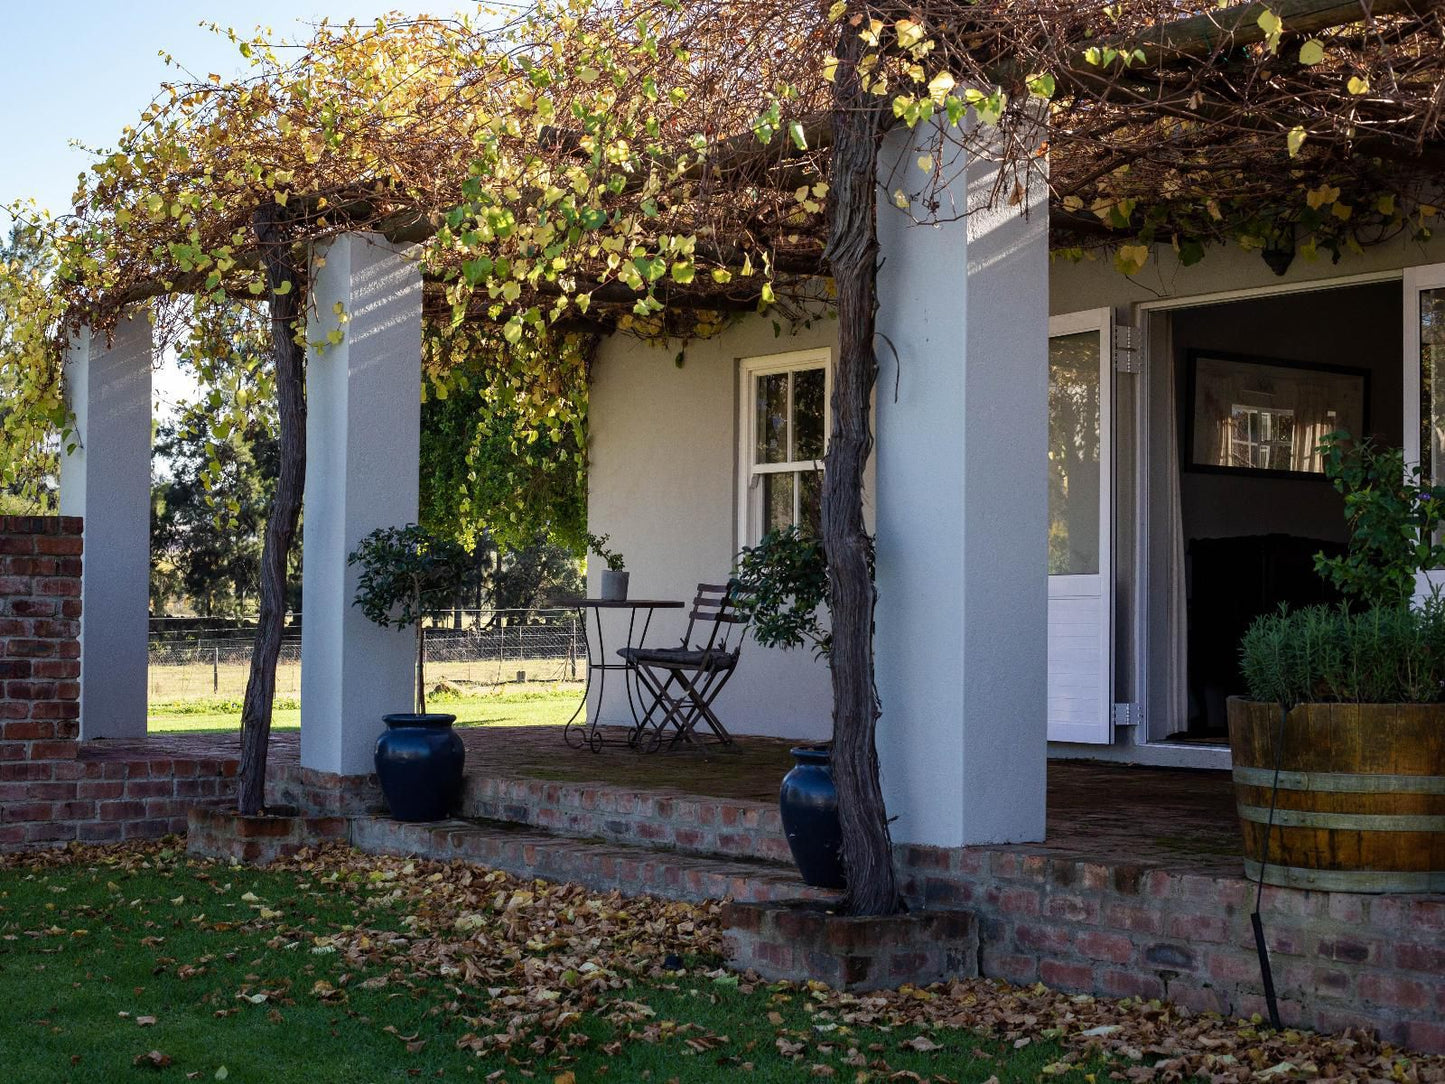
(151, 1059)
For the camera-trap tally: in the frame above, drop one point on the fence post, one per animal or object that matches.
(216, 670)
(572, 646)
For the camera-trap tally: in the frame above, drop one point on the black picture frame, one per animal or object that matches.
(1194, 358)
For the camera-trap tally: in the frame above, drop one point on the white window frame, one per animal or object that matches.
(749, 489)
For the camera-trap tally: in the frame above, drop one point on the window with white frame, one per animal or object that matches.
(783, 426)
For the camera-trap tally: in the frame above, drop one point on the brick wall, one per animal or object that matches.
(1339, 959)
(1120, 928)
(53, 787)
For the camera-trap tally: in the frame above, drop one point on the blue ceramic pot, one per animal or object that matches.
(419, 765)
(808, 802)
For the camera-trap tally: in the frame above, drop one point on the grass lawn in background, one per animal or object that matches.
(138, 964)
(548, 705)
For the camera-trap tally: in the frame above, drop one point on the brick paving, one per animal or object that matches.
(1152, 816)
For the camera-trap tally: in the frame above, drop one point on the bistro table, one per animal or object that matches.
(588, 733)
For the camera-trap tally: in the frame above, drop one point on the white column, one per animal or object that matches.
(362, 449)
(962, 413)
(107, 480)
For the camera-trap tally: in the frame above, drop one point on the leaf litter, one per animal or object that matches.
(523, 962)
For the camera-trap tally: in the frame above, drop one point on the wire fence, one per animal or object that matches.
(479, 649)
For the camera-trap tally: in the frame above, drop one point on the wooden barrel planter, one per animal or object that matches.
(1361, 801)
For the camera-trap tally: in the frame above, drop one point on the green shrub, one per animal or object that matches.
(1386, 655)
(782, 588)
(1394, 517)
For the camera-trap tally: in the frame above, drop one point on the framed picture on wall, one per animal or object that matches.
(1266, 416)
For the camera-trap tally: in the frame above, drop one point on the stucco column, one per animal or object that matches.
(106, 479)
(363, 440)
(962, 416)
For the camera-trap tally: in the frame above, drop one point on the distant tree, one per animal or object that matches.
(214, 476)
(29, 429)
(513, 495)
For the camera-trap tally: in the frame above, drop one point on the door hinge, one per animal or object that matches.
(1128, 358)
(1126, 714)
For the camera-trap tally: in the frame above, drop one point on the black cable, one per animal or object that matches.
(1265, 972)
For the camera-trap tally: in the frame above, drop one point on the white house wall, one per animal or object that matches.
(663, 473)
(663, 484)
(1093, 283)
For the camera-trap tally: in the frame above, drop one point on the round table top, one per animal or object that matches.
(628, 603)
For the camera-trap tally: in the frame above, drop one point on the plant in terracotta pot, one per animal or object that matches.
(1339, 750)
(782, 586)
(404, 572)
(614, 576)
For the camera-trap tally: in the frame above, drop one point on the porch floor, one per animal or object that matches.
(1150, 817)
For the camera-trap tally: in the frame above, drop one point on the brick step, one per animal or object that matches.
(690, 823)
(597, 864)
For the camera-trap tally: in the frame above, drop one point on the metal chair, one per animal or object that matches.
(684, 681)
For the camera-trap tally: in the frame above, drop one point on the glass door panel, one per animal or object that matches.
(1080, 468)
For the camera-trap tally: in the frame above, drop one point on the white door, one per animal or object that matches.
(1425, 379)
(1081, 370)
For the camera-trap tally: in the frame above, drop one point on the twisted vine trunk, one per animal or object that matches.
(852, 255)
(287, 310)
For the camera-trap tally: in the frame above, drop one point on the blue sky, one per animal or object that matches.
(80, 70)
(83, 69)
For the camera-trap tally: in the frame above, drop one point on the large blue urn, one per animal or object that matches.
(419, 765)
(808, 802)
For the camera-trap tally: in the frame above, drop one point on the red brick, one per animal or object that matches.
(1065, 976)
(150, 788)
(1043, 938)
(52, 668)
(1130, 984)
(1350, 950)
(1072, 908)
(54, 750)
(20, 812)
(98, 832)
(1411, 956)
(62, 545)
(100, 788)
(1395, 992)
(1019, 901)
(122, 811)
(1015, 969)
(59, 587)
(1123, 916)
(1208, 929)
(50, 832)
(32, 730)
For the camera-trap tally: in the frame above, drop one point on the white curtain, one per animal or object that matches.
(1176, 624)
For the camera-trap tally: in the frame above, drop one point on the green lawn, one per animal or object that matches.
(531, 707)
(364, 969)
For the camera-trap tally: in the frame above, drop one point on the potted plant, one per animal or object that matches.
(614, 576)
(1339, 750)
(782, 588)
(419, 758)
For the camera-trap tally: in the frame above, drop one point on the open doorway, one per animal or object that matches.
(1255, 384)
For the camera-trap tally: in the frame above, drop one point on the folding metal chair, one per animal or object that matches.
(684, 681)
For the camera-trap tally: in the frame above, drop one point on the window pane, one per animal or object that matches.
(772, 422)
(1432, 383)
(810, 502)
(1074, 454)
(777, 501)
(808, 414)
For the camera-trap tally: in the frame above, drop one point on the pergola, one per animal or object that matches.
(1078, 126)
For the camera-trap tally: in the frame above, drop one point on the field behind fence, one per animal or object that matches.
(492, 648)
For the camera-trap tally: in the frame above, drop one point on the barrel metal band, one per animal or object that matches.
(1341, 782)
(1336, 880)
(1359, 822)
